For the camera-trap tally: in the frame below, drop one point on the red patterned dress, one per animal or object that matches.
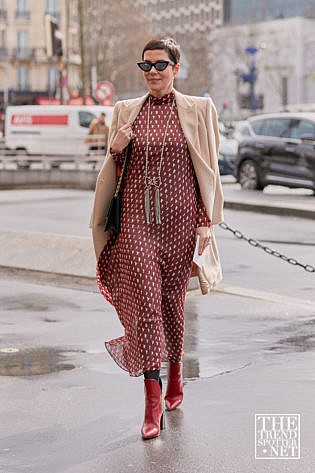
(144, 272)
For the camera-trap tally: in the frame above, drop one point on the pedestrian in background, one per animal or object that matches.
(172, 193)
(98, 134)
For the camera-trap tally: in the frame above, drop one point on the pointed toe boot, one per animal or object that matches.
(154, 413)
(174, 392)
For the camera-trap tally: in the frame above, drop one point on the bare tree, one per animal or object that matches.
(114, 34)
(197, 50)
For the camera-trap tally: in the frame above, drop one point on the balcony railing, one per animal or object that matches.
(24, 53)
(22, 15)
(3, 14)
(24, 87)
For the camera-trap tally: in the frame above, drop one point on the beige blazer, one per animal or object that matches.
(198, 119)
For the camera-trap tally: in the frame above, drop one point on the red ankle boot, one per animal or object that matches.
(154, 416)
(174, 392)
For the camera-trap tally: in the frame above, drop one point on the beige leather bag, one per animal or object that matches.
(210, 273)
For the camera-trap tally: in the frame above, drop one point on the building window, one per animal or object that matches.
(21, 10)
(3, 12)
(3, 44)
(23, 78)
(52, 8)
(22, 43)
(52, 75)
(3, 38)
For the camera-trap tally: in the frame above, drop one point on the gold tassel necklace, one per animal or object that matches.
(155, 181)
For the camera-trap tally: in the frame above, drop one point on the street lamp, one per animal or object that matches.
(251, 77)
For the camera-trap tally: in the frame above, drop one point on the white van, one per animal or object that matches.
(51, 129)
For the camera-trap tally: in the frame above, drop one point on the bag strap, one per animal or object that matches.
(127, 156)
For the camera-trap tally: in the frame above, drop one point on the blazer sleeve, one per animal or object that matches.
(104, 191)
(202, 217)
(213, 144)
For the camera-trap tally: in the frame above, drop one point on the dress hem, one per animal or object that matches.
(122, 366)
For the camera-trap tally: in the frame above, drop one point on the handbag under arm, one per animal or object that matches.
(113, 217)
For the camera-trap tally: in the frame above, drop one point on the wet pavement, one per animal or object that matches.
(249, 348)
(67, 408)
(31, 361)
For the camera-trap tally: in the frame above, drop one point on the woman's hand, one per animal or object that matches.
(122, 138)
(204, 238)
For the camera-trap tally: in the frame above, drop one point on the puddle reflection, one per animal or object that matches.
(191, 366)
(297, 343)
(32, 362)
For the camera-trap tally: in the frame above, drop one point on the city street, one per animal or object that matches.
(249, 349)
(243, 357)
(146, 83)
(66, 212)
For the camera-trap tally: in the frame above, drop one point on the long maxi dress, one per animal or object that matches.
(144, 272)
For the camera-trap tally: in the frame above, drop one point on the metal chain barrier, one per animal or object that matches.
(238, 234)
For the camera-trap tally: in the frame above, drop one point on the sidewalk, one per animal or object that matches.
(276, 200)
(51, 232)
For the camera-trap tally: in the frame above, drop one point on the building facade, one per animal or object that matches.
(284, 62)
(25, 70)
(178, 18)
(246, 11)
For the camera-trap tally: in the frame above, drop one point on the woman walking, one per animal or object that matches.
(172, 193)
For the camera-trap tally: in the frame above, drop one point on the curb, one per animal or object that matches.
(89, 284)
(49, 253)
(60, 255)
(71, 281)
(270, 209)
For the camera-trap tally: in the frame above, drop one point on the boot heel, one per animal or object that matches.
(162, 421)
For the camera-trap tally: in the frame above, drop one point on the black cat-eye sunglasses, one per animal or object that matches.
(146, 66)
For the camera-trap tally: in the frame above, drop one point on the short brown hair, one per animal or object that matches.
(167, 44)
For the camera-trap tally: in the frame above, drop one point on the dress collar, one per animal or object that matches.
(166, 99)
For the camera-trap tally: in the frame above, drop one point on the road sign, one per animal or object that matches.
(103, 91)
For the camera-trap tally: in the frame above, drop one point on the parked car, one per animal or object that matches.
(282, 152)
(242, 130)
(227, 155)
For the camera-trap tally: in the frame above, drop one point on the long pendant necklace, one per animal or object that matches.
(154, 181)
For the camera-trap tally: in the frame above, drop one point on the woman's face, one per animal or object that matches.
(160, 82)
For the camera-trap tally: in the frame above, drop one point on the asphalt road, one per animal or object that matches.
(67, 408)
(67, 212)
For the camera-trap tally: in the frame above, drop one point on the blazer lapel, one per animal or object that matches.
(130, 109)
(187, 113)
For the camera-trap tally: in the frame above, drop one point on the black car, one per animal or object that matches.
(281, 151)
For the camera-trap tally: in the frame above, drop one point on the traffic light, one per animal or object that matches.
(53, 37)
